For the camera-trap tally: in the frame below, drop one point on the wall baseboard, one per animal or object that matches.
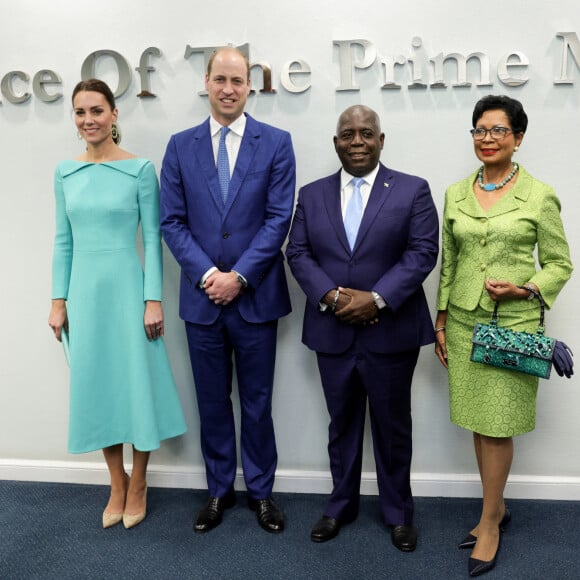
(294, 481)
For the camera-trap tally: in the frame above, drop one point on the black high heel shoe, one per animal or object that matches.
(470, 540)
(477, 567)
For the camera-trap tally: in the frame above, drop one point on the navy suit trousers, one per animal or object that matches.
(212, 348)
(348, 380)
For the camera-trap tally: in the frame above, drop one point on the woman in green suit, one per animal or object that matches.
(493, 222)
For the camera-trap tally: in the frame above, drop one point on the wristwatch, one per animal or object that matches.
(379, 300)
(532, 290)
(241, 279)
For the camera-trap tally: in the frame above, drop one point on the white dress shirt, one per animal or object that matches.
(233, 138)
(346, 188)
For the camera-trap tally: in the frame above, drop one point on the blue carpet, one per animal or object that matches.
(53, 531)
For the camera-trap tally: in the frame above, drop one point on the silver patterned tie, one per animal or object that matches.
(223, 164)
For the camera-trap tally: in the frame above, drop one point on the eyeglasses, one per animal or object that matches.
(496, 133)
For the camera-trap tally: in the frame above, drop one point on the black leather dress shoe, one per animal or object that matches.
(325, 529)
(470, 540)
(269, 516)
(211, 514)
(404, 538)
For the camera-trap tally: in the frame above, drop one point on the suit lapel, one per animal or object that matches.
(467, 202)
(203, 150)
(331, 194)
(382, 189)
(248, 148)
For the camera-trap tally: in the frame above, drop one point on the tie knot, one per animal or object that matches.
(357, 182)
(223, 132)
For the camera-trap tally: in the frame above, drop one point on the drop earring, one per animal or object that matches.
(115, 134)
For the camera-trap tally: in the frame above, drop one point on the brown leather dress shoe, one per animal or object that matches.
(211, 514)
(404, 538)
(270, 517)
(325, 529)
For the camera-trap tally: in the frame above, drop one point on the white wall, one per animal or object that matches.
(426, 134)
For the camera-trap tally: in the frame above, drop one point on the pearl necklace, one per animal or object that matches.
(494, 186)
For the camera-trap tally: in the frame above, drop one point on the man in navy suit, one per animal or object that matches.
(361, 244)
(227, 193)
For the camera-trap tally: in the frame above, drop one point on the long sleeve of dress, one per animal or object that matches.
(63, 243)
(148, 197)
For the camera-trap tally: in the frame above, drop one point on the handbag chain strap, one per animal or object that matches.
(536, 293)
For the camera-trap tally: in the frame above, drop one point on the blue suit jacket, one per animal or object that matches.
(246, 235)
(396, 248)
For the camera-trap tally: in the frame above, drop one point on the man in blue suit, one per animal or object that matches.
(361, 244)
(227, 193)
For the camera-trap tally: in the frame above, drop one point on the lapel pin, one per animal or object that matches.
(386, 184)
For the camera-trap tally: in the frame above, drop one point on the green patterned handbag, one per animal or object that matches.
(523, 352)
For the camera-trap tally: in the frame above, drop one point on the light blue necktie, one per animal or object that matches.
(354, 212)
(223, 164)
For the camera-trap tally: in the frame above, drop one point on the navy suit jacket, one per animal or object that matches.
(246, 235)
(395, 251)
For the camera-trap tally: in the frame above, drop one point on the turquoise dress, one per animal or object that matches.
(121, 386)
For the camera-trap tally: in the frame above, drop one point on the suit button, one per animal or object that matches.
(482, 267)
(221, 265)
(483, 241)
(225, 235)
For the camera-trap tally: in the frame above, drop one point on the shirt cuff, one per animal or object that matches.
(206, 276)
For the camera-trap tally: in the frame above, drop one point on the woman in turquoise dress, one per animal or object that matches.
(108, 307)
(494, 222)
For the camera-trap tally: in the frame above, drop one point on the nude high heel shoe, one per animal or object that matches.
(110, 520)
(130, 521)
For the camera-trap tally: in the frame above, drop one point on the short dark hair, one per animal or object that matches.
(96, 86)
(513, 109)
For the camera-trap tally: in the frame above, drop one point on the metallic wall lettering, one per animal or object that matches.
(389, 64)
(266, 77)
(7, 87)
(206, 51)
(507, 62)
(461, 63)
(571, 44)
(419, 70)
(245, 48)
(144, 69)
(89, 69)
(348, 65)
(290, 69)
(46, 77)
(418, 65)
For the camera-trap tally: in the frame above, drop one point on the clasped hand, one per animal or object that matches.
(354, 306)
(222, 287)
(504, 290)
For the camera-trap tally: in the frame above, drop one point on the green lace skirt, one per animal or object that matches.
(485, 399)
